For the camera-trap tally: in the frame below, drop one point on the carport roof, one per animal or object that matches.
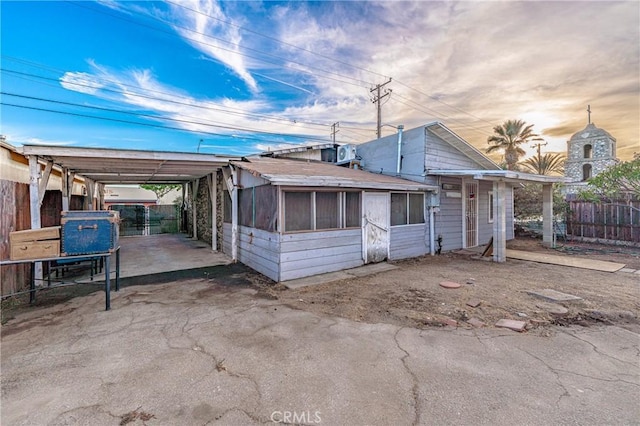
(292, 172)
(113, 166)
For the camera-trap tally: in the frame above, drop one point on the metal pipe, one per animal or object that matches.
(400, 128)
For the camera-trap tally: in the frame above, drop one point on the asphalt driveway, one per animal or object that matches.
(196, 352)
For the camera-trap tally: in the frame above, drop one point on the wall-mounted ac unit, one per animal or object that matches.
(346, 153)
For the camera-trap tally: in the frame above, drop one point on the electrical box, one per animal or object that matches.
(433, 199)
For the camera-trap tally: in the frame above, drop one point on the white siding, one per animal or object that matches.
(311, 253)
(485, 229)
(441, 155)
(408, 241)
(448, 222)
(257, 249)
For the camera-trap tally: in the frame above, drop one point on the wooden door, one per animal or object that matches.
(375, 226)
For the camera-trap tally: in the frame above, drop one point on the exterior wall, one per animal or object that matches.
(381, 155)
(258, 249)
(407, 241)
(448, 222)
(485, 229)
(603, 155)
(311, 253)
(441, 155)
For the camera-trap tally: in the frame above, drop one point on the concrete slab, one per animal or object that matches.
(361, 271)
(553, 309)
(196, 352)
(553, 295)
(627, 270)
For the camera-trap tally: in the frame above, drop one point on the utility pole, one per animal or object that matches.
(541, 143)
(377, 97)
(334, 130)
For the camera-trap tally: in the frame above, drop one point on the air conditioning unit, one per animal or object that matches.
(346, 153)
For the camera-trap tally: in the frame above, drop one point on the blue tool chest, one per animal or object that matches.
(89, 232)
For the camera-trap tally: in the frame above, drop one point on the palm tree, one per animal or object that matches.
(508, 137)
(545, 164)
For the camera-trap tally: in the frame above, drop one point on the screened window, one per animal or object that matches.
(257, 207)
(352, 209)
(308, 211)
(327, 212)
(398, 209)
(227, 207)
(407, 208)
(297, 211)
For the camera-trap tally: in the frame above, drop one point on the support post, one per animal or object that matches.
(547, 215)
(34, 204)
(194, 213)
(212, 180)
(44, 181)
(499, 222)
(66, 191)
(90, 186)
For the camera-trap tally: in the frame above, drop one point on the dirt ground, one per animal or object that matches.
(411, 295)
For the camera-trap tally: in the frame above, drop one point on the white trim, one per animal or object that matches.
(507, 175)
(490, 210)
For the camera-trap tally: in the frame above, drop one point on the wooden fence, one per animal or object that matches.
(616, 221)
(15, 215)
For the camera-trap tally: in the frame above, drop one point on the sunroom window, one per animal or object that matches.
(321, 210)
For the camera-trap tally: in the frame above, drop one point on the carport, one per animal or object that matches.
(99, 167)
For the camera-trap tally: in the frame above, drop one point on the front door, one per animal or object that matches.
(471, 214)
(375, 229)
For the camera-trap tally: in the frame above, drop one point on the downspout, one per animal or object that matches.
(432, 229)
(400, 128)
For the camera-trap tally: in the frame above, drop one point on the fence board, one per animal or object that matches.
(617, 221)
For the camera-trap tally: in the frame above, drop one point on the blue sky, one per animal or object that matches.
(239, 77)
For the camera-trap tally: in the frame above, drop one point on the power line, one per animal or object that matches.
(156, 117)
(230, 111)
(376, 100)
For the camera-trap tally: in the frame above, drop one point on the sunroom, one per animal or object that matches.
(297, 218)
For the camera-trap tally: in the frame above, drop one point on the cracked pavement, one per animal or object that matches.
(196, 352)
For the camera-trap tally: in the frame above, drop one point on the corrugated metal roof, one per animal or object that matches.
(280, 171)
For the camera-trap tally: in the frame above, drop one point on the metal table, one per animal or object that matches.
(107, 272)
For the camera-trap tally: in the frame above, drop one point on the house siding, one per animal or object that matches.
(381, 155)
(257, 249)
(441, 155)
(312, 253)
(408, 241)
(485, 229)
(448, 221)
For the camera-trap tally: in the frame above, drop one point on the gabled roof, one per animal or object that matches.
(447, 135)
(291, 172)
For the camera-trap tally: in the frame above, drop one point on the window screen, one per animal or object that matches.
(352, 209)
(266, 201)
(398, 209)
(227, 207)
(297, 211)
(416, 208)
(327, 210)
(245, 207)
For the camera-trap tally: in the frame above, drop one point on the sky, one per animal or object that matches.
(239, 77)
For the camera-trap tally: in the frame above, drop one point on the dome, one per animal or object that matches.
(591, 131)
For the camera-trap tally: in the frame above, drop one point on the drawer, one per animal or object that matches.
(34, 249)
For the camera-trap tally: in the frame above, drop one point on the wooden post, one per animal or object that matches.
(234, 216)
(547, 215)
(194, 213)
(212, 180)
(499, 222)
(34, 205)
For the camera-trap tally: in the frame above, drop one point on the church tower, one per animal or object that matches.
(589, 152)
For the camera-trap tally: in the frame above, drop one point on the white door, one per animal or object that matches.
(375, 226)
(471, 214)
